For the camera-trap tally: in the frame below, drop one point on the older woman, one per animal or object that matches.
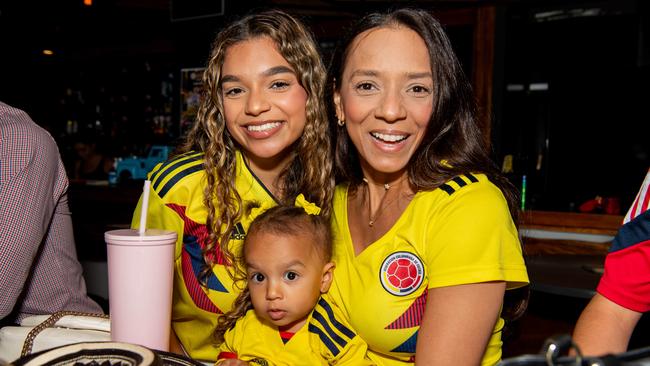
(426, 243)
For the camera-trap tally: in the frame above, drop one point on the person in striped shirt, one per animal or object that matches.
(283, 317)
(39, 270)
(623, 294)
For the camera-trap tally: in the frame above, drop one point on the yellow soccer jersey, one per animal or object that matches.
(326, 339)
(176, 203)
(460, 233)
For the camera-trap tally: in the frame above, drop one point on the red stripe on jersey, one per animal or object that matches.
(286, 336)
(412, 317)
(200, 231)
(646, 201)
(194, 288)
(633, 210)
(226, 355)
(626, 280)
(641, 202)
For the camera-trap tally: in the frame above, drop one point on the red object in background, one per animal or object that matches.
(592, 205)
(607, 205)
(612, 206)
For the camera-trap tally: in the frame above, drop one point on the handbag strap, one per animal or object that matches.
(48, 323)
(557, 345)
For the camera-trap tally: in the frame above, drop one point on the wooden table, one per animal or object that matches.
(566, 275)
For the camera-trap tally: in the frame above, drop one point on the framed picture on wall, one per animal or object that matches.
(191, 87)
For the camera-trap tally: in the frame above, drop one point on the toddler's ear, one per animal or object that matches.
(327, 277)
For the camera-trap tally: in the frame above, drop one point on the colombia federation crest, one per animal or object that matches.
(401, 273)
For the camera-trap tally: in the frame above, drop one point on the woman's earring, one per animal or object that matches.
(340, 123)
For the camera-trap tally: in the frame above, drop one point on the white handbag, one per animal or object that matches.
(42, 332)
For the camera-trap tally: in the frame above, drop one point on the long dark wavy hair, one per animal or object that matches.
(452, 144)
(310, 171)
(280, 220)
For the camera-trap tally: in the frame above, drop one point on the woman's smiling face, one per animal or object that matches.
(386, 97)
(264, 103)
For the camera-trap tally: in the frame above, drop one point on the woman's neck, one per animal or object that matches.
(379, 181)
(375, 206)
(268, 170)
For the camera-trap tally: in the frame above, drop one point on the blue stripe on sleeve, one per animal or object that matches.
(326, 341)
(319, 317)
(342, 328)
(177, 177)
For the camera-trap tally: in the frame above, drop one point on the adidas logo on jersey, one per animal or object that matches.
(238, 232)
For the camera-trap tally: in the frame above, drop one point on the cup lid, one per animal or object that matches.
(133, 235)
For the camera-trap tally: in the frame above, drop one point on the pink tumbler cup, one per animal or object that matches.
(140, 275)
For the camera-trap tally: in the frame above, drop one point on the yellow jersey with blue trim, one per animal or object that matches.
(459, 233)
(325, 339)
(176, 203)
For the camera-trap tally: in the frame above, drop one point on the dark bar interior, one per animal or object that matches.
(562, 86)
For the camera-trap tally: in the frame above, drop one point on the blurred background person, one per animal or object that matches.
(91, 160)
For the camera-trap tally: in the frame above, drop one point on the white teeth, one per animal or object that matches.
(264, 127)
(388, 138)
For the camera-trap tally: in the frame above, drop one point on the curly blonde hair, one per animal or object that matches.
(281, 220)
(310, 171)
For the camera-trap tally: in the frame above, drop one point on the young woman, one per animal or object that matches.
(281, 318)
(425, 240)
(260, 136)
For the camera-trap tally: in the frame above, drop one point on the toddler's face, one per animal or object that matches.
(286, 276)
